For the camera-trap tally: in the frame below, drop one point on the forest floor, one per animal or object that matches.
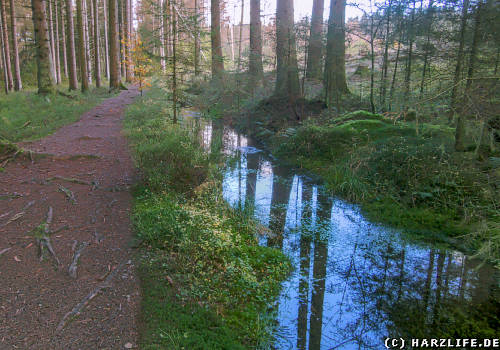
(77, 196)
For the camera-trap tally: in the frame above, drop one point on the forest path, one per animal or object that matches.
(89, 160)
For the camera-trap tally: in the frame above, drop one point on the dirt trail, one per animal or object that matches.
(91, 162)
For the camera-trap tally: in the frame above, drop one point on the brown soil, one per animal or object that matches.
(35, 295)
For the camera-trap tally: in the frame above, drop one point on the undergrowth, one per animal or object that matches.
(206, 283)
(27, 116)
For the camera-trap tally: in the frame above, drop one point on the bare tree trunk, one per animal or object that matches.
(2, 60)
(106, 34)
(120, 34)
(411, 38)
(52, 41)
(385, 63)
(6, 49)
(241, 34)
(45, 72)
(430, 13)
(114, 47)
(287, 77)
(56, 45)
(393, 83)
(18, 85)
(174, 63)
(255, 68)
(197, 38)
(460, 129)
(315, 41)
(97, 55)
(60, 17)
(128, 41)
(81, 45)
(217, 58)
(460, 54)
(70, 42)
(335, 78)
(86, 41)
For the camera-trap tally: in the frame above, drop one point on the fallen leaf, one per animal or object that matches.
(17, 259)
(128, 346)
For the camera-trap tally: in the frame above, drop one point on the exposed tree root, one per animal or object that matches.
(19, 215)
(76, 311)
(3, 251)
(78, 248)
(69, 179)
(43, 239)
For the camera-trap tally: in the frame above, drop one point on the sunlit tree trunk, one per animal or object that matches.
(127, 39)
(197, 45)
(114, 47)
(411, 39)
(241, 34)
(81, 45)
(52, 41)
(215, 35)
(6, 48)
(430, 13)
(255, 69)
(56, 44)
(385, 62)
(335, 79)
(63, 47)
(174, 61)
(315, 48)
(106, 34)
(394, 72)
(287, 72)
(70, 44)
(2, 60)
(15, 49)
(86, 41)
(45, 74)
(121, 37)
(97, 54)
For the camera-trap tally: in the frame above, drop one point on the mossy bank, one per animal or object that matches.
(206, 283)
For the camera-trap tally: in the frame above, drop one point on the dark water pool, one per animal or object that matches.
(354, 282)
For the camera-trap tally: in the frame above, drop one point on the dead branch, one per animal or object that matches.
(77, 251)
(44, 240)
(76, 311)
(3, 251)
(69, 179)
(20, 214)
(70, 195)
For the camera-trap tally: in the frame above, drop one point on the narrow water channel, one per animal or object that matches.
(354, 282)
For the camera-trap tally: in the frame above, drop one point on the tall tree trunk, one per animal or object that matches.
(128, 41)
(64, 49)
(121, 37)
(70, 42)
(81, 45)
(174, 63)
(45, 74)
(97, 55)
(255, 68)
(18, 85)
(394, 72)
(215, 36)
(460, 129)
(460, 54)
(52, 41)
(241, 34)
(385, 63)
(5, 38)
(287, 71)
(197, 37)
(315, 41)
(86, 41)
(56, 44)
(2, 60)
(411, 39)
(106, 35)
(114, 46)
(430, 15)
(335, 78)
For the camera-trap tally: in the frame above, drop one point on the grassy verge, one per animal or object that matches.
(206, 282)
(26, 116)
(402, 173)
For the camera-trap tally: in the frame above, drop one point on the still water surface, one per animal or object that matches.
(354, 282)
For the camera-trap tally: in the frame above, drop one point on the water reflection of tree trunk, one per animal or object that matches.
(428, 280)
(279, 202)
(252, 168)
(238, 145)
(447, 276)
(463, 278)
(439, 285)
(319, 281)
(401, 273)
